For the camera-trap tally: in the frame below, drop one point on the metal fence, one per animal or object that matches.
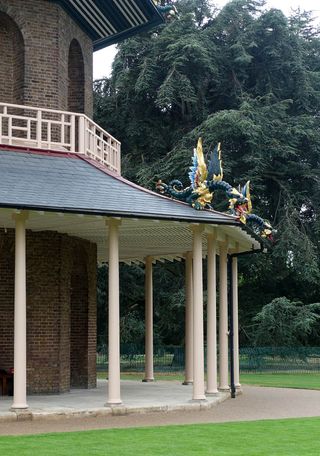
(132, 358)
(253, 359)
(280, 359)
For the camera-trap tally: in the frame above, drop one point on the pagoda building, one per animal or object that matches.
(64, 208)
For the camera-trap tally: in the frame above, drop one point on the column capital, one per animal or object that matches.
(196, 227)
(224, 246)
(149, 259)
(113, 221)
(211, 232)
(188, 255)
(20, 215)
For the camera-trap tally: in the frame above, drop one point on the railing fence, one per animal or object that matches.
(50, 129)
(252, 359)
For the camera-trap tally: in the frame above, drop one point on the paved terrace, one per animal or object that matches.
(256, 403)
(137, 397)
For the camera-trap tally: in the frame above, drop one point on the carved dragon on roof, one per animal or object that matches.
(205, 180)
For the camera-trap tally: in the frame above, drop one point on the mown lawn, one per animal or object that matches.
(283, 380)
(294, 437)
(138, 376)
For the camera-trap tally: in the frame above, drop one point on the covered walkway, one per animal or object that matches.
(79, 199)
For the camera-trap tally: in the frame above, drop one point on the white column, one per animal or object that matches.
(211, 318)
(223, 318)
(188, 374)
(235, 322)
(149, 377)
(198, 349)
(114, 396)
(20, 315)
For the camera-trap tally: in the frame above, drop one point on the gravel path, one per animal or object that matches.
(255, 403)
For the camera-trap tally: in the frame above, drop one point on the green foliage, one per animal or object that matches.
(250, 78)
(131, 328)
(168, 285)
(285, 323)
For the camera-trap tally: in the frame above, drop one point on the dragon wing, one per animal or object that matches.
(215, 171)
(246, 194)
(198, 171)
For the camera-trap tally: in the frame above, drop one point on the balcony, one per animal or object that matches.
(49, 129)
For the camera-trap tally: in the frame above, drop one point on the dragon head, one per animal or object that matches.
(268, 232)
(240, 202)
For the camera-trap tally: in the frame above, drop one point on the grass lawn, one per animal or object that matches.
(294, 437)
(140, 375)
(283, 380)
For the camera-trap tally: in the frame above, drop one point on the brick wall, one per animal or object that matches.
(53, 269)
(47, 32)
(79, 320)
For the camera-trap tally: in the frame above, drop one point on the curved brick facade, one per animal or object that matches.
(61, 310)
(47, 32)
(46, 61)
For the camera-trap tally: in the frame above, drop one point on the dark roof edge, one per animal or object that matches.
(114, 39)
(146, 216)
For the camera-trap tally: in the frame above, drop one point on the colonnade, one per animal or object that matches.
(194, 350)
(194, 338)
(194, 327)
(193, 290)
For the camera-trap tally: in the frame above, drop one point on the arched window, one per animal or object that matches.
(75, 78)
(12, 61)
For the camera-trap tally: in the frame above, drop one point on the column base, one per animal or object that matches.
(188, 382)
(238, 386)
(148, 380)
(224, 389)
(212, 392)
(112, 404)
(239, 390)
(199, 401)
(14, 407)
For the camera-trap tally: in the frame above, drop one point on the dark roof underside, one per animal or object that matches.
(68, 183)
(110, 21)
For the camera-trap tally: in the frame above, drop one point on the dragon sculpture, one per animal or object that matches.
(204, 181)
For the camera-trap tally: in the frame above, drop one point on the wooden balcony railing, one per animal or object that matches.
(49, 129)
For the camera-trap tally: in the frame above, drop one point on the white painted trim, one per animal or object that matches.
(39, 128)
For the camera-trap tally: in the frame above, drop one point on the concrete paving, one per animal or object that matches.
(137, 397)
(256, 403)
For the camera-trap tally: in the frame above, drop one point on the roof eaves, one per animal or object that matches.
(104, 42)
(140, 215)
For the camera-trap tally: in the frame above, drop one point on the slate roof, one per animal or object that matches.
(65, 182)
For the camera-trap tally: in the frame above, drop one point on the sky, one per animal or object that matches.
(102, 60)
